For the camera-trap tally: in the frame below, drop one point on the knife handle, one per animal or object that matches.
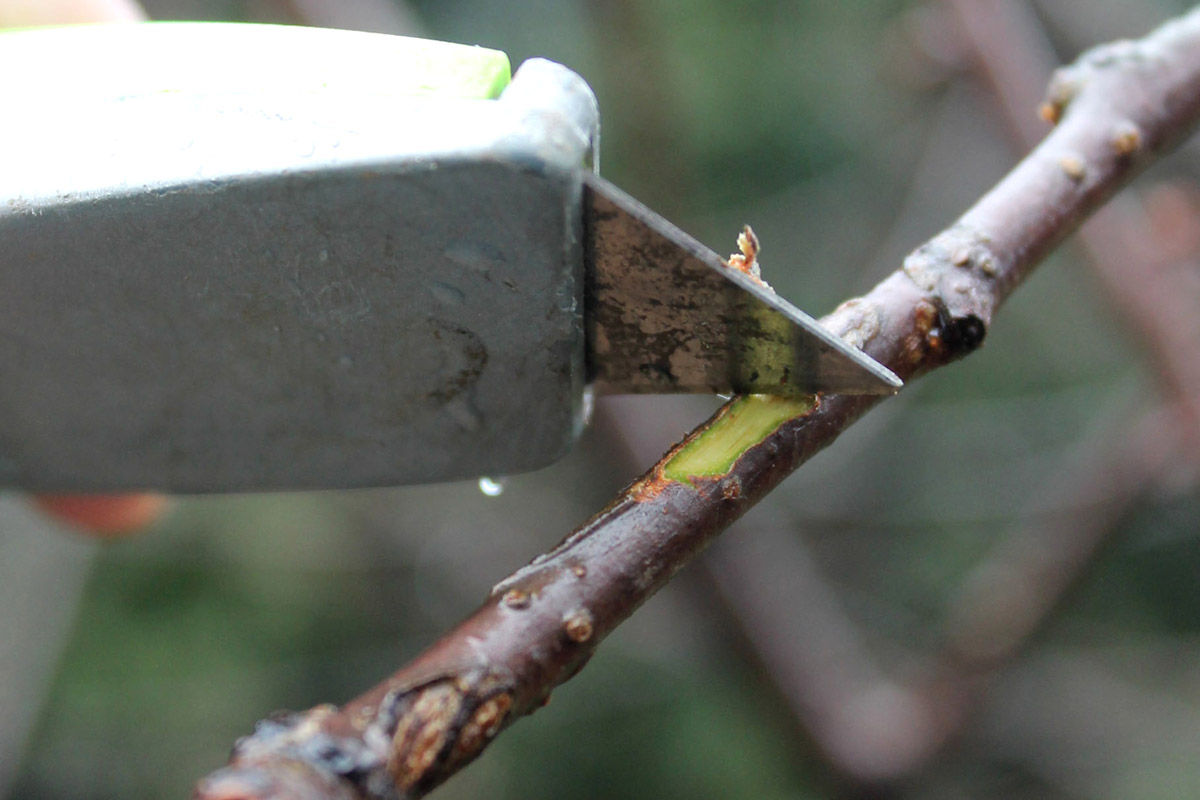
(242, 257)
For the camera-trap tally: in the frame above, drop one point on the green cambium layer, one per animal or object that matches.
(749, 420)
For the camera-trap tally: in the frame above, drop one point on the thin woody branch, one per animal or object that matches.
(1118, 108)
(1023, 581)
(1139, 274)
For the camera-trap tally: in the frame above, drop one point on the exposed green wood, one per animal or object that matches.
(749, 420)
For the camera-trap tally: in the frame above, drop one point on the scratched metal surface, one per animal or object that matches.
(666, 315)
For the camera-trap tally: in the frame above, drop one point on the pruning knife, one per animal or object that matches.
(251, 257)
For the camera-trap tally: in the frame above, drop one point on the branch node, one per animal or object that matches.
(318, 763)
(1126, 139)
(577, 625)
(423, 734)
(955, 336)
(731, 488)
(516, 598)
(1064, 85)
(1073, 166)
(956, 270)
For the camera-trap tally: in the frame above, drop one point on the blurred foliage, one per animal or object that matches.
(824, 126)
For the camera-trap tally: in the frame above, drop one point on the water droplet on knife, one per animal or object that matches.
(589, 405)
(492, 487)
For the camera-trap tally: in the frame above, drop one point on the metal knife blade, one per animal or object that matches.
(666, 314)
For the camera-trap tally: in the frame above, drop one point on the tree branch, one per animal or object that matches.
(1118, 108)
(1139, 275)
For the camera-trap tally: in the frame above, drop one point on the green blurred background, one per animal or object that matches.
(845, 133)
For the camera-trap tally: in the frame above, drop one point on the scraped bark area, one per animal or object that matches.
(1117, 109)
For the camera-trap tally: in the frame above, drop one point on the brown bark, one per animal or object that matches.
(1118, 108)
